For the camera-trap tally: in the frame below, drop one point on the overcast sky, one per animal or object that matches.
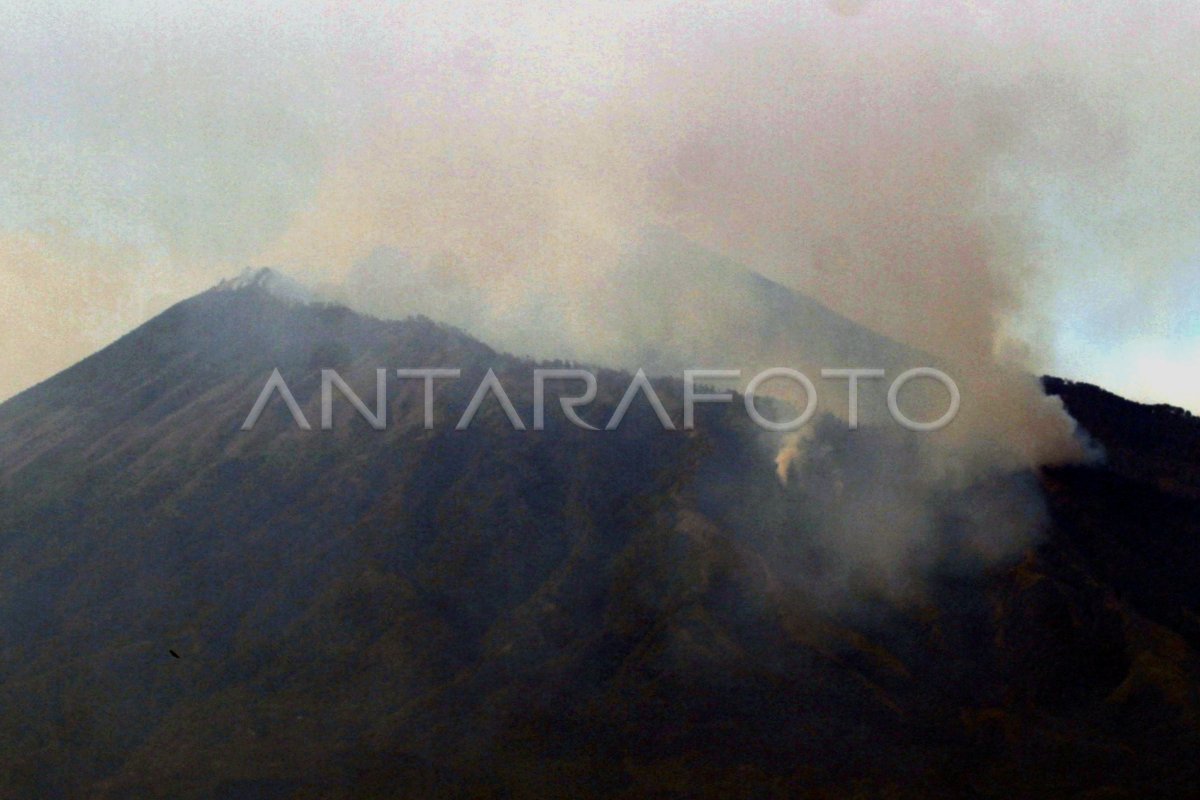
(149, 149)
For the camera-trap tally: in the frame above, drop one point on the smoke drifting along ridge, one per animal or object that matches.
(892, 160)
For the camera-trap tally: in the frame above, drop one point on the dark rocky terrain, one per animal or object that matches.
(413, 613)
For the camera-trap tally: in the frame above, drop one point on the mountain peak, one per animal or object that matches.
(271, 281)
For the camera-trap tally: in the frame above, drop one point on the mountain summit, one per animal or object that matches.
(270, 280)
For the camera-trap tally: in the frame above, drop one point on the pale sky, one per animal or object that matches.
(149, 149)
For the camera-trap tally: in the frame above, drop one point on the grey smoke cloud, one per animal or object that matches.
(899, 165)
(914, 167)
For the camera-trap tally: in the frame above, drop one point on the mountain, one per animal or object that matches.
(193, 610)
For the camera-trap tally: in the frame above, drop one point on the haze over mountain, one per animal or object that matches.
(500, 613)
(673, 305)
(987, 177)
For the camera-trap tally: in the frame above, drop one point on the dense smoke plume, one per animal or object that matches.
(895, 161)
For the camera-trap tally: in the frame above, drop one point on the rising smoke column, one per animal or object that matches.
(913, 165)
